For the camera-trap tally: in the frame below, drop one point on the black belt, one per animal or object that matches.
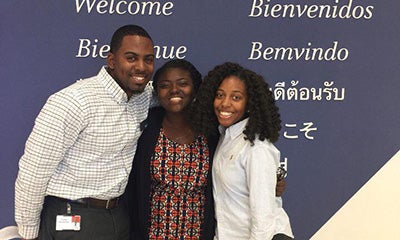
(92, 202)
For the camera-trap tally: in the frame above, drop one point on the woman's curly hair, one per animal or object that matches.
(264, 118)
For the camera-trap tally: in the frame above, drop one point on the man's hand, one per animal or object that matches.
(280, 188)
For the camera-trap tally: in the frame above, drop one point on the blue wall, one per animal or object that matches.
(333, 144)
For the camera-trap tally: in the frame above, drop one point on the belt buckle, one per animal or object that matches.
(108, 204)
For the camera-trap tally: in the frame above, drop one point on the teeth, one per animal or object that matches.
(139, 78)
(175, 99)
(225, 114)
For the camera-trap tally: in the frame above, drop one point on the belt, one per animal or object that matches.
(98, 203)
(92, 202)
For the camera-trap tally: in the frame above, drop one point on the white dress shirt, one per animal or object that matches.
(82, 145)
(244, 180)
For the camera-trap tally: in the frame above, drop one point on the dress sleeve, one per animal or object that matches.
(56, 128)
(261, 168)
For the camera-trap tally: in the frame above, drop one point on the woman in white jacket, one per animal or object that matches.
(246, 161)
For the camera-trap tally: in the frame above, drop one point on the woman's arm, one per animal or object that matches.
(261, 179)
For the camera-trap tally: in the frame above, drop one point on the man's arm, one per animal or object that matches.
(55, 129)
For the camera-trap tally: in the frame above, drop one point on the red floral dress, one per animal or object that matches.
(179, 177)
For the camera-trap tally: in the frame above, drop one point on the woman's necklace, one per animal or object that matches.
(184, 136)
(180, 135)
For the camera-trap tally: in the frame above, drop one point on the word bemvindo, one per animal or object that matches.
(308, 53)
(335, 11)
(125, 7)
(88, 48)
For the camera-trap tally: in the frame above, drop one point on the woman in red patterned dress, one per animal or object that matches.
(169, 191)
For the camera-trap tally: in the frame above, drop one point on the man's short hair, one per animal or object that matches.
(126, 30)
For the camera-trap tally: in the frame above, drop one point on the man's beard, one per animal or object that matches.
(138, 91)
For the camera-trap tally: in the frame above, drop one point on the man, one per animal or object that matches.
(79, 155)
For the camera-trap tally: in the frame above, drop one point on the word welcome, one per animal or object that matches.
(124, 7)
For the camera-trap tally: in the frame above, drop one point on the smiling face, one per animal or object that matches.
(175, 90)
(132, 64)
(230, 101)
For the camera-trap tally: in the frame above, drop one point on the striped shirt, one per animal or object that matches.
(82, 145)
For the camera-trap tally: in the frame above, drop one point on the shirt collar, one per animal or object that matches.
(112, 86)
(235, 130)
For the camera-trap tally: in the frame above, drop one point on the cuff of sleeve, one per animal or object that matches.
(28, 232)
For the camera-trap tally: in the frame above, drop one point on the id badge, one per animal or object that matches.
(65, 222)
